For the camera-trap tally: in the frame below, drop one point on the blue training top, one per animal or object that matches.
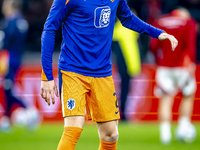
(87, 27)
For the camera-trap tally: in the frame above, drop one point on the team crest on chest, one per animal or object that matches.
(71, 104)
(102, 17)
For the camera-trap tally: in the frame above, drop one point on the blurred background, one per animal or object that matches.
(139, 128)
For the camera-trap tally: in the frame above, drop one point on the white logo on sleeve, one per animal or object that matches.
(102, 16)
(71, 104)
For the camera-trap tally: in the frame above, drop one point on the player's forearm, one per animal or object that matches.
(134, 23)
(48, 41)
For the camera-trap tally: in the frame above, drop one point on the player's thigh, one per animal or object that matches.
(77, 121)
(73, 92)
(102, 101)
(190, 88)
(186, 83)
(164, 81)
(108, 129)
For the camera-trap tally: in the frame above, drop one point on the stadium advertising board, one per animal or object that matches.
(142, 105)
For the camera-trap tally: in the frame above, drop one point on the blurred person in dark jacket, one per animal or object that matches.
(148, 11)
(12, 42)
(126, 49)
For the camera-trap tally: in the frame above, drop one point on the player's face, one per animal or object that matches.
(7, 4)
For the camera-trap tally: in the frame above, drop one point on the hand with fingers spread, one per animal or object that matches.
(171, 38)
(49, 89)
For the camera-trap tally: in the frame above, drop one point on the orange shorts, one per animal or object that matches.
(95, 95)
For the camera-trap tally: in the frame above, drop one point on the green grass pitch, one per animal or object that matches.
(131, 137)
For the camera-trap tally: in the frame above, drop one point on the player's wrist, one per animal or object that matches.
(45, 78)
(162, 36)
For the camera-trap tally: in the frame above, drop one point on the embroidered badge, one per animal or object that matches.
(71, 104)
(102, 17)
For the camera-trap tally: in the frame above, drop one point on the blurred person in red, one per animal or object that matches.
(176, 73)
(126, 49)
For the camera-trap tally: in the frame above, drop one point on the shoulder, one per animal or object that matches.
(192, 25)
(192, 21)
(58, 4)
(62, 3)
(171, 22)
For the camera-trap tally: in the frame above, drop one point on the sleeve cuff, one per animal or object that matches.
(43, 76)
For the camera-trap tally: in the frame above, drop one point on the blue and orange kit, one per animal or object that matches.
(87, 30)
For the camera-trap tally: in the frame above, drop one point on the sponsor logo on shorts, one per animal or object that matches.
(116, 112)
(71, 104)
(116, 104)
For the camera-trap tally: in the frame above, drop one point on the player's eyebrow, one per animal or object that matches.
(66, 2)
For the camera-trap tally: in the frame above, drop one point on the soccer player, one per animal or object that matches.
(176, 71)
(85, 73)
(13, 37)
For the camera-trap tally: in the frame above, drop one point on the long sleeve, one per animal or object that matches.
(154, 43)
(190, 40)
(130, 21)
(59, 11)
(9, 34)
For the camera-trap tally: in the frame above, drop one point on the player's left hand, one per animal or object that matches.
(171, 38)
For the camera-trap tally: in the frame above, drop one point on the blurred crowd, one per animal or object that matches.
(36, 11)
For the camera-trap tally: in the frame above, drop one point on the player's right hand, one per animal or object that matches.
(48, 88)
(171, 38)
